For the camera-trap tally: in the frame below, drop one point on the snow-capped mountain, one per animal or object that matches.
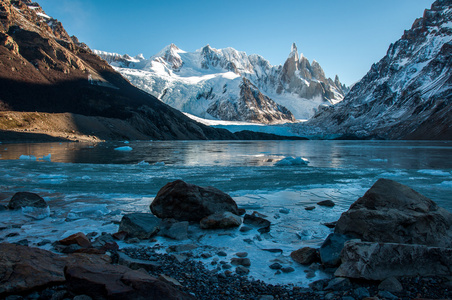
(407, 94)
(228, 84)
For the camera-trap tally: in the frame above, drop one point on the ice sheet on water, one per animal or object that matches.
(37, 213)
(27, 157)
(88, 211)
(435, 172)
(47, 157)
(124, 148)
(143, 163)
(292, 161)
(379, 160)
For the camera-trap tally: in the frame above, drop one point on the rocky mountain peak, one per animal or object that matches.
(407, 94)
(170, 54)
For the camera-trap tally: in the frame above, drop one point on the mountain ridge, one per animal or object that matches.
(182, 79)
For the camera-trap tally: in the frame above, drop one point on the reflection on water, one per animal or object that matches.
(330, 154)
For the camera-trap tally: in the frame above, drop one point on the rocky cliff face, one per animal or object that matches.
(43, 69)
(407, 94)
(182, 80)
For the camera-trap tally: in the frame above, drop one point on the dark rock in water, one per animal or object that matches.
(245, 228)
(287, 269)
(23, 242)
(242, 254)
(394, 213)
(309, 208)
(236, 261)
(338, 284)
(330, 251)
(378, 261)
(361, 293)
(187, 202)
(120, 235)
(275, 266)
(241, 270)
(3, 207)
(305, 256)
(221, 220)
(327, 203)
(23, 199)
(78, 238)
(330, 224)
(256, 220)
(173, 229)
(118, 282)
(140, 225)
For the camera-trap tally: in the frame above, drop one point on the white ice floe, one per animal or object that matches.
(47, 157)
(143, 163)
(160, 164)
(37, 213)
(124, 148)
(292, 161)
(27, 157)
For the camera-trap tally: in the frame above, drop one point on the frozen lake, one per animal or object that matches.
(87, 186)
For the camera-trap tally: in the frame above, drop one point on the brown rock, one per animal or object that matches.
(118, 282)
(187, 202)
(22, 199)
(78, 238)
(305, 256)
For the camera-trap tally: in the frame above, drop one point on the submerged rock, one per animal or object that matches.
(187, 202)
(139, 225)
(257, 220)
(327, 203)
(394, 213)
(26, 199)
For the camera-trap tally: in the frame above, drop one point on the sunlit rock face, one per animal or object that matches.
(407, 94)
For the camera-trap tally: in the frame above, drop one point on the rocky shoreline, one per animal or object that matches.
(393, 243)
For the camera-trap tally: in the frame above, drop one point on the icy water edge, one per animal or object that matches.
(90, 186)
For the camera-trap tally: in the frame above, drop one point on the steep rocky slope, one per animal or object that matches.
(43, 69)
(228, 84)
(408, 93)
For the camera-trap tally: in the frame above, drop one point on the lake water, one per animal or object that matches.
(87, 186)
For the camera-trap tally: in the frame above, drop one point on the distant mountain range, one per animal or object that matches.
(407, 94)
(230, 85)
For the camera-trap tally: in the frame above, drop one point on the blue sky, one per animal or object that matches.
(344, 36)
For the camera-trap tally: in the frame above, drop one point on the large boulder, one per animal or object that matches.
(394, 213)
(23, 268)
(378, 261)
(118, 282)
(187, 202)
(330, 251)
(26, 199)
(139, 225)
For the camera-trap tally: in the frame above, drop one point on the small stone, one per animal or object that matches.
(120, 235)
(245, 228)
(266, 297)
(361, 293)
(43, 242)
(82, 297)
(284, 211)
(226, 266)
(330, 224)
(241, 270)
(169, 280)
(305, 256)
(391, 285)
(206, 255)
(310, 274)
(23, 242)
(12, 234)
(275, 266)
(242, 254)
(287, 269)
(222, 253)
(387, 295)
(338, 284)
(241, 261)
(327, 203)
(78, 238)
(309, 207)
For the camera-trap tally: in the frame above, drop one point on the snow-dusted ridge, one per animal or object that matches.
(227, 84)
(408, 93)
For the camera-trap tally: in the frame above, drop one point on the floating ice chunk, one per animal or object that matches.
(86, 177)
(124, 148)
(379, 159)
(292, 161)
(160, 163)
(37, 213)
(143, 163)
(126, 142)
(27, 157)
(47, 157)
